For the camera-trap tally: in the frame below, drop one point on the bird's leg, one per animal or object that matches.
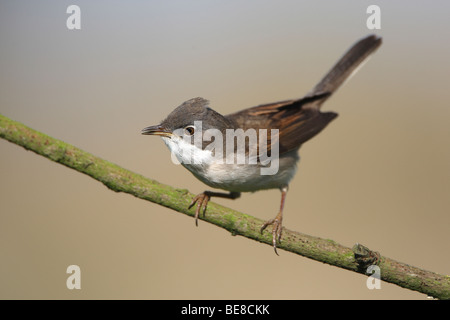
(277, 221)
(202, 200)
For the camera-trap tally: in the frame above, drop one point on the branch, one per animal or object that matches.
(357, 259)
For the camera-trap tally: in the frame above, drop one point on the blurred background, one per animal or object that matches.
(378, 175)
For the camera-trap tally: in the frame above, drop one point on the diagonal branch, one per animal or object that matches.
(357, 259)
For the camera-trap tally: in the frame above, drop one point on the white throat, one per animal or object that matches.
(186, 153)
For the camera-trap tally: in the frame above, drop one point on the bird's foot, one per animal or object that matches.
(276, 229)
(202, 200)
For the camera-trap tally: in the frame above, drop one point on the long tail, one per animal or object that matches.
(346, 67)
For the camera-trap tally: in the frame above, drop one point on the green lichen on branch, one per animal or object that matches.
(121, 180)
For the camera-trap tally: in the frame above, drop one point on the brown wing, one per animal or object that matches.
(296, 120)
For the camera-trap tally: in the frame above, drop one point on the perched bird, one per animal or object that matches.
(284, 126)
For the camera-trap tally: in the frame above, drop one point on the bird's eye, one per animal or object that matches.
(189, 130)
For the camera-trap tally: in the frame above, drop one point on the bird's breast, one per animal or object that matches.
(234, 177)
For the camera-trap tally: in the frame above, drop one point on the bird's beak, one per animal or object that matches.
(157, 131)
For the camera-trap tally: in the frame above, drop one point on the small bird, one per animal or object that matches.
(187, 132)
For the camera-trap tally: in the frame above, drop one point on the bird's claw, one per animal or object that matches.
(202, 200)
(276, 230)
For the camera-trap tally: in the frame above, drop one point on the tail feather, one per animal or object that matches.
(346, 67)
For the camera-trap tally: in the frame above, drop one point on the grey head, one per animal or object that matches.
(185, 119)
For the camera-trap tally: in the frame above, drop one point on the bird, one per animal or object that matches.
(291, 123)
